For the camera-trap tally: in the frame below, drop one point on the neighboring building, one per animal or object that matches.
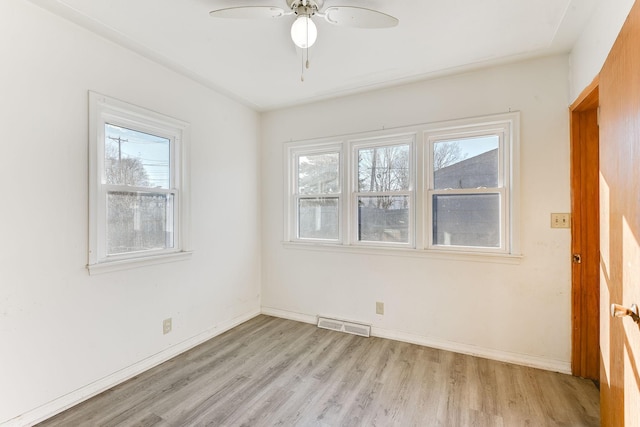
(472, 219)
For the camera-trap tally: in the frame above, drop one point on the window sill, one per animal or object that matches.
(126, 264)
(487, 257)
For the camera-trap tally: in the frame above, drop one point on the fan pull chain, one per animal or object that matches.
(305, 51)
(304, 64)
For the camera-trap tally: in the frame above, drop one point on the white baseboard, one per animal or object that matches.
(64, 402)
(299, 317)
(487, 353)
(472, 350)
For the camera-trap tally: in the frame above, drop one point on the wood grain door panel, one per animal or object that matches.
(620, 225)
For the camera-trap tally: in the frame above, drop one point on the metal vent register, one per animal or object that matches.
(344, 326)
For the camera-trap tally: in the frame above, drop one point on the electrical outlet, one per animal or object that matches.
(379, 307)
(166, 326)
(560, 220)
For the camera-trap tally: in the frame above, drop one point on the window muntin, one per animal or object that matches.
(137, 197)
(383, 194)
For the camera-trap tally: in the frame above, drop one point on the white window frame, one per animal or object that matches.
(105, 110)
(501, 131)
(389, 141)
(294, 152)
(422, 137)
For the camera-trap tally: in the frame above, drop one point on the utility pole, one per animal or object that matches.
(374, 162)
(119, 140)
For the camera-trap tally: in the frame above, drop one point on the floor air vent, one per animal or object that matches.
(344, 326)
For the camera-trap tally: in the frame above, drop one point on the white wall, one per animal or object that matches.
(593, 46)
(63, 333)
(518, 312)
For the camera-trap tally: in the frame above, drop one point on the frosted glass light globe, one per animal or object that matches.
(304, 32)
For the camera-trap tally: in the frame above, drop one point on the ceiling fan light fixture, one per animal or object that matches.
(304, 32)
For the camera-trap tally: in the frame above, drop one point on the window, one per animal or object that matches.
(467, 191)
(382, 191)
(317, 193)
(444, 187)
(138, 206)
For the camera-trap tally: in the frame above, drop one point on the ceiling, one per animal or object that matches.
(255, 61)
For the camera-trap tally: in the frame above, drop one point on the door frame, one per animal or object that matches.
(585, 229)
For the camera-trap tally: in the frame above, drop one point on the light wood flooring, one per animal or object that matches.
(275, 372)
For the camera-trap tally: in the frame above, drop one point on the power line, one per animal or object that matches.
(119, 140)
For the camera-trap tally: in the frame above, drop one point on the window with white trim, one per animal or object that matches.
(383, 191)
(317, 193)
(468, 188)
(447, 187)
(137, 190)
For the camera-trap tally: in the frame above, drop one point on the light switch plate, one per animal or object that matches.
(560, 220)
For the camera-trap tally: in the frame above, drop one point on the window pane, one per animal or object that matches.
(383, 168)
(466, 163)
(318, 218)
(139, 222)
(466, 220)
(318, 174)
(136, 158)
(383, 219)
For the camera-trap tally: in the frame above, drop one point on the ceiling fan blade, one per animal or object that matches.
(248, 12)
(358, 17)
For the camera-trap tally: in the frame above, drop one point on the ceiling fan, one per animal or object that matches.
(303, 31)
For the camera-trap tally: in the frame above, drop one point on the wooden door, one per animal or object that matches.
(620, 226)
(585, 236)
